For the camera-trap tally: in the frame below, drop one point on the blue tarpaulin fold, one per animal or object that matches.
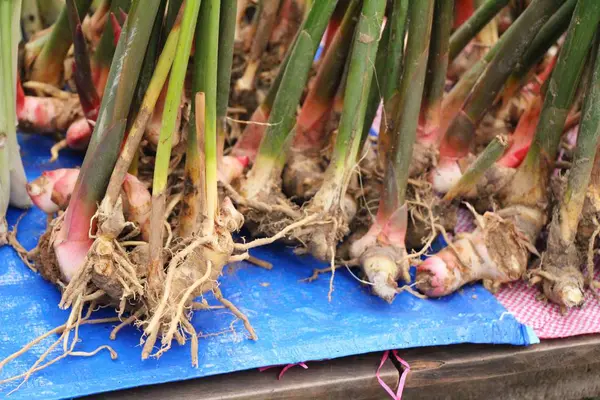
(294, 320)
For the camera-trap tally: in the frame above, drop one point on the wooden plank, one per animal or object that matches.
(344, 378)
(554, 369)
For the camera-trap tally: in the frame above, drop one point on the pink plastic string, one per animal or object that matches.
(285, 368)
(401, 381)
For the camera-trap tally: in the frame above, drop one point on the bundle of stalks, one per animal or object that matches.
(146, 224)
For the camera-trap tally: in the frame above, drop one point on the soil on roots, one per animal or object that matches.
(303, 176)
(424, 158)
(427, 214)
(45, 259)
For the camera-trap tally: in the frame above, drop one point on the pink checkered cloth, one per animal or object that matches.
(546, 319)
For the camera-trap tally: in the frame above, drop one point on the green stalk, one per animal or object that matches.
(375, 91)
(564, 256)
(531, 179)
(319, 99)
(163, 151)
(275, 143)
(107, 136)
(460, 133)
(200, 197)
(391, 80)
(467, 31)
(540, 45)
(136, 133)
(48, 66)
(407, 111)
(551, 31)
(226, 44)
(150, 60)
(437, 65)
(88, 97)
(392, 72)
(488, 157)
(211, 35)
(588, 140)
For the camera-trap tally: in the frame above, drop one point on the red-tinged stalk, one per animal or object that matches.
(562, 280)
(381, 251)
(435, 83)
(335, 22)
(272, 152)
(303, 173)
(48, 65)
(52, 191)
(246, 147)
(265, 21)
(546, 37)
(156, 273)
(72, 241)
(498, 250)
(458, 139)
(103, 55)
(330, 202)
(318, 102)
(521, 138)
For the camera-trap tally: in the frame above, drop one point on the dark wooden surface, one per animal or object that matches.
(555, 369)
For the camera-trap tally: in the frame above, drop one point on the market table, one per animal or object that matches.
(554, 369)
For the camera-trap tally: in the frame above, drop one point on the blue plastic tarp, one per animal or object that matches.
(294, 320)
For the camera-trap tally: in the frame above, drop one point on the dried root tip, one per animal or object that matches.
(563, 286)
(383, 267)
(51, 191)
(79, 134)
(230, 217)
(302, 177)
